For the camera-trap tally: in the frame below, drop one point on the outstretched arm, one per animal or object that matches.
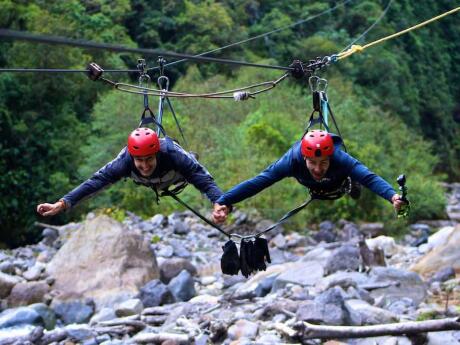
(275, 172)
(110, 173)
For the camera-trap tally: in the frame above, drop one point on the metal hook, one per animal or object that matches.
(160, 82)
(317, 84)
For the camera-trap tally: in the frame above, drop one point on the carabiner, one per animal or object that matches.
(317, 84)
(160, 82)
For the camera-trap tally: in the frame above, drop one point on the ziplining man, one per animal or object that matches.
(149, 161)
(317, 162)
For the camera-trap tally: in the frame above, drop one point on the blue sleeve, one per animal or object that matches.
(195, 173)
(275, 172)
(107, 175)
(360, 173)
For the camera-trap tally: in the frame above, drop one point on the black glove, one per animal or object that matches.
(246, 257)
(230, 261)
(261, 254)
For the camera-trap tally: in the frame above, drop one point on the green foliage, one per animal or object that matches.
(396, 103)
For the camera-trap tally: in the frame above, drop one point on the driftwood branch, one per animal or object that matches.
(43, 225)
(158, 338)
(307, 330)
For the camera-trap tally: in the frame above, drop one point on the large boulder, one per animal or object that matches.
(446, 254)
(102, 260)
(27, 293)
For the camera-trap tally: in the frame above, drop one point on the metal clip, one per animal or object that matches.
(317, 84)
(162, 79)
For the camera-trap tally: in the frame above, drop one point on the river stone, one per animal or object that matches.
(403, 284)
(20, 316)
(27, 293)
(48, 315)
(155, 293)
(130, 307)
(444, 338)
(105, 314)
(327, 308)
(7, 282)
(85, 266)
(73, 312)
(362, 313)
(344, 258)
(34, 272)
(299, 273)
(170, 268)
(446, 254)
(243, 329)
(182, 286)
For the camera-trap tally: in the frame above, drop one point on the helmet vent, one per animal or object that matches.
(318, 153)
(136, 147)
(137, 134)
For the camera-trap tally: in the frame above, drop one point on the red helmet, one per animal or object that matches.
(143, 142)
(317, 143)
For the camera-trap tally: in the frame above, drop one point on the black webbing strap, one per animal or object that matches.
(145, 120)
(196, 213)
(285, 217)
(177, 121)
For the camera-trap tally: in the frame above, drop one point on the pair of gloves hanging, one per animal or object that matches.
(252, 257)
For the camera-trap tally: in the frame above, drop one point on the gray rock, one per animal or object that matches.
(372, 229)
(443, 274)
(179, 249)
(344, 258)
(28, 293)
(47, 314)
(49, 236)
(158, 220)
(6, 283)
(178, 226)
(73, 312)
(34, 272)
(130, 307)
(79, 333)
(326, 232)
(155, 293)
(265, 286)
(362, 313)
(172, 267)
(20, 316)
(165, 251)
(7, 267)
(444, 338)
(182, 286)
(299, 273)
(327, 308)
(243, 329)
(349, 231)
(403, 306)
(401, 284)
(105, 314)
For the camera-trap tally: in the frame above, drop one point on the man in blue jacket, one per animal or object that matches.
(318, 163)
(149, 161)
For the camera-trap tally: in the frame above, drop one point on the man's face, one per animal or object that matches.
(145, 164)
(317, 166)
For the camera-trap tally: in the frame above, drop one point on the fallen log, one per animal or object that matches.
(158, 338)
(307, 330)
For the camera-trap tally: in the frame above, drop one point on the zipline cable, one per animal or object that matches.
(299, 22)
(26, 36)
(370, 27)
(357, 48)
(56, 70)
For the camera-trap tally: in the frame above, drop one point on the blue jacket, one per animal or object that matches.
(292, 164)
(174, 164)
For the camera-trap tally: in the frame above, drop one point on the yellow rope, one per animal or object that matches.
(357, 48)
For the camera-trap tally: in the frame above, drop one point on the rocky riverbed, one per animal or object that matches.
(158, 281)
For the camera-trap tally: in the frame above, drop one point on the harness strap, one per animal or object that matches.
(195, 212)
(285, 217)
